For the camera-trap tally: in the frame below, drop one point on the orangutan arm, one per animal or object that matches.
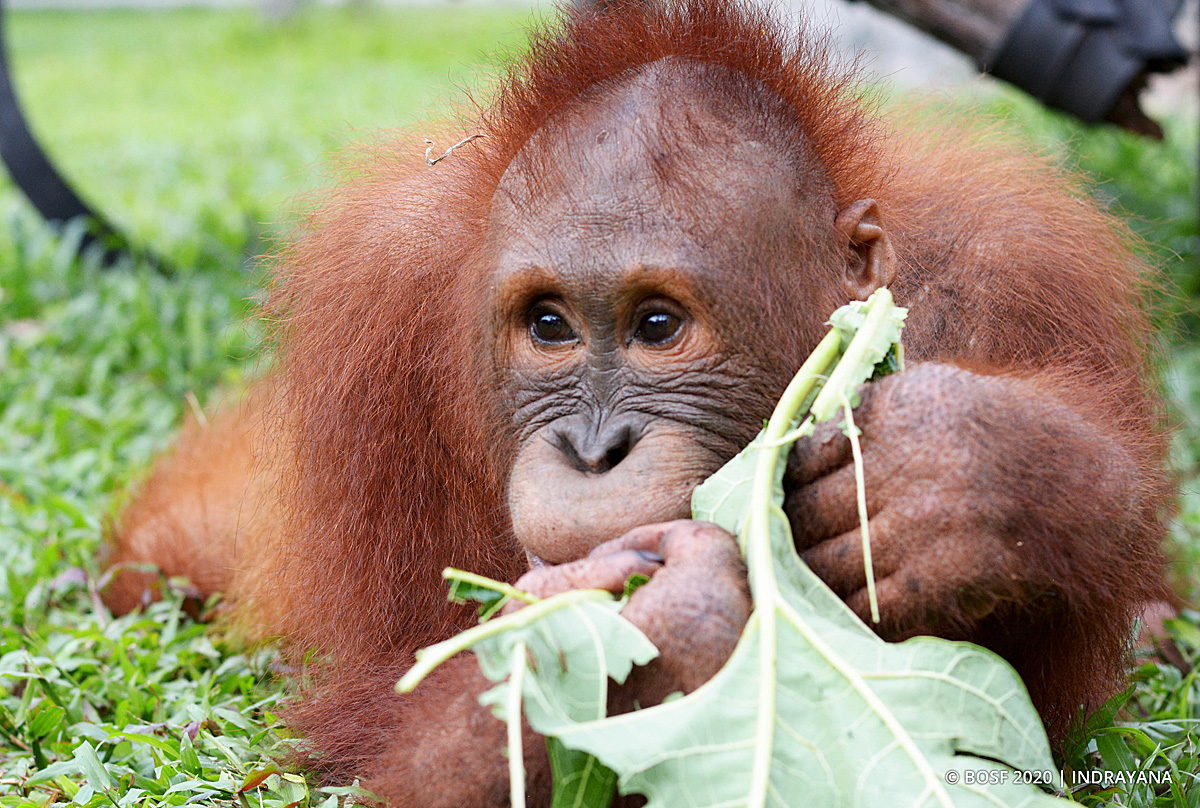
(450, 751)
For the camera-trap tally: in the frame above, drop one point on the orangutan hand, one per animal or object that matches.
(972, 483)
(693, 608)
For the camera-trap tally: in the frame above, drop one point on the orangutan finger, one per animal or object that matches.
(701, 593)
(703, 545)
(672, 543)
(948, 584)
(813, 456)
(839, 561)
(898, 610)
(827, 507)
(908, 605)
(644, 539)
(608, 572)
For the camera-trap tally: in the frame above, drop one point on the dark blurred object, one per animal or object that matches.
(1090, 58)
(34, 174)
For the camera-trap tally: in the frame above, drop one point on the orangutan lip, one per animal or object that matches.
(535, 563)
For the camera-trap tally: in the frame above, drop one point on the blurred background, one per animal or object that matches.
(185, 125)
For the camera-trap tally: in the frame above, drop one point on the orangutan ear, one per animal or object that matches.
(871, 261)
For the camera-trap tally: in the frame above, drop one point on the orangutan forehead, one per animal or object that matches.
(651, 173)
(672, 123)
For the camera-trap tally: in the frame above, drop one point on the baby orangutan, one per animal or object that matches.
(537, 348)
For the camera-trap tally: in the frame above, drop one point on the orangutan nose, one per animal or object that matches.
(597, 449)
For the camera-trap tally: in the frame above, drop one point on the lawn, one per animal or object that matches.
(194, 130)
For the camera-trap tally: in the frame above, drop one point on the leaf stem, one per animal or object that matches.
(758, 551)
(429, 658)
(508, 590)
(860, 483)
(516, 749)
(758, 538)
(759, 556)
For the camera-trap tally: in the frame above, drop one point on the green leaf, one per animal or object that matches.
(490, 600)
(571, 645)
(580, 780)
(576, 640)
(360, 793)
(93, 770)
(188, 759)
(44, 718)
(871, 333)
(84, 795)
(54, 770)
(257, 777)
(1116, 755)
(492, 595)
(635, 582)
(575, 646)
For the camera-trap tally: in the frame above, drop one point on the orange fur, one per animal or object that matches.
(208, 510)
(388, 461)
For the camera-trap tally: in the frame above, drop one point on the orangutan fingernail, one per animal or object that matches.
(653, 558)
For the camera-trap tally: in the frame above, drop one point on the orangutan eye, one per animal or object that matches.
(550, 328)
(657, 328)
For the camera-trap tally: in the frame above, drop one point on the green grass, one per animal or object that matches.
(190, 127)
(193, 129)
(95, 368)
